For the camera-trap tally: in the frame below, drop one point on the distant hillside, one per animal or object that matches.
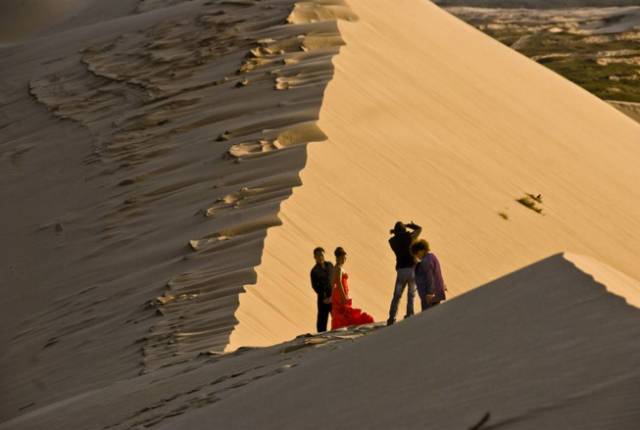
(596, 48)
(537, 4)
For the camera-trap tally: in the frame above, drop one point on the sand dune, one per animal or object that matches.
(145, 156)
(616, 283)
(167, 140)
(20, 19)
(541, 347)
(447, 131)
(24, 20)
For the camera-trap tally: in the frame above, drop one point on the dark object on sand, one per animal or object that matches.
(530, 202)
(484, 420)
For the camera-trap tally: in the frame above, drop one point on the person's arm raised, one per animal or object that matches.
(416, 230)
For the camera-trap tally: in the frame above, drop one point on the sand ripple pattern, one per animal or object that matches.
(202, 121)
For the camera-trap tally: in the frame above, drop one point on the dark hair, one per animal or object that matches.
(339, 252)
(398, 228)
(420, 245)
(318, 250)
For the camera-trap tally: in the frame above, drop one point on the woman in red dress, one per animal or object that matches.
(342, 314)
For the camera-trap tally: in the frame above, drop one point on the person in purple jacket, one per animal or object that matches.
(431, 287)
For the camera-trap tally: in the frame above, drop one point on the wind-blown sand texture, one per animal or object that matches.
(153, 153)
(147, 155)
(24, 20)
(20, 19)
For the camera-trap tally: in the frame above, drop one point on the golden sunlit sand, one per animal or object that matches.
(447, 131)
(168, 167)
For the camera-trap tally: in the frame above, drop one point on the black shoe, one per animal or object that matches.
(390, 321)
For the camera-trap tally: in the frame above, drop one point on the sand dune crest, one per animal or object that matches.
(155, 266)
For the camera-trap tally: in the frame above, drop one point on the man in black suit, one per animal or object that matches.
(321, 276)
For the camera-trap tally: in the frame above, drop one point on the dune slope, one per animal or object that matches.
(543, 347)
(430, 120)
(20, 19)
(144, 158)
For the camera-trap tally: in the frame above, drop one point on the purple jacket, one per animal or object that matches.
(429, 276)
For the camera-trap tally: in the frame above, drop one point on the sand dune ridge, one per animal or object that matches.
(196, 128)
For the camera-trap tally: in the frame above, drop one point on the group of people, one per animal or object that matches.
(417, 269)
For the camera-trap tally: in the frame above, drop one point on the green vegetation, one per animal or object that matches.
(607, 65)
(611, 82)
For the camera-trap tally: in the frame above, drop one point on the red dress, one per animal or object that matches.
(342, 314)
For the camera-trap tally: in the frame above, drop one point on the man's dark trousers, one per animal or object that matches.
(323, 315)
(321, 282)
